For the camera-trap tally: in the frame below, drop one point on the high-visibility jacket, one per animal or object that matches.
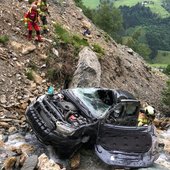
(142, 119)
(42, 7)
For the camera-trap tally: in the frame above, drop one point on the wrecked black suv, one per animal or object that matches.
(103, 117)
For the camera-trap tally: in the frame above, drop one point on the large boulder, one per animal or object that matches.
(88, 70)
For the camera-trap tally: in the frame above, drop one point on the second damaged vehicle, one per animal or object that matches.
(106, 118)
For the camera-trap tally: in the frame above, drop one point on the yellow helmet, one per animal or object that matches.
(150, 110)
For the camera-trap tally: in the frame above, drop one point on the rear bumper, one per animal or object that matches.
(123, 159)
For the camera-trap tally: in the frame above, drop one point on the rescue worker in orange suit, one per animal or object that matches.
(146, 116)
(31, 19)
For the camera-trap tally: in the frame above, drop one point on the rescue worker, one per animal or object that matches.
(86, 26)
(146, 116)
(43, 12)
(150, 112)
(86, 32)
(31, 21)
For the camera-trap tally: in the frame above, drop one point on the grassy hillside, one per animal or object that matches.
(155, 7)
(91, 3)
(163, 66)
(163, 57)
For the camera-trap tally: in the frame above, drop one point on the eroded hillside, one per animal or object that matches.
(121, 67)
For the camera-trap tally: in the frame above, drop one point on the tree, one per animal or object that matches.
(143, 50)
(108, 18)
(166, 5)
(167, 70)
(133, 42)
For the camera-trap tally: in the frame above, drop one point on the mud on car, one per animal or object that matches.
(106, 118)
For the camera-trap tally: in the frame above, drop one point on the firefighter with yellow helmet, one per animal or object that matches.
(43, 12)
(146, 116)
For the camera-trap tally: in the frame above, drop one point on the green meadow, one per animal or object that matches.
(155, 7)
(163, 57)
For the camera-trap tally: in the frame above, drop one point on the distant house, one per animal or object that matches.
(147, 2)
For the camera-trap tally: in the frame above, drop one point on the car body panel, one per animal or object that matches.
(126, 146)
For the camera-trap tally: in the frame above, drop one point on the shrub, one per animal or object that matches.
(64, 36)
(4, 39)
(32, 65)
(62, 33)
(77, 41)
(29, 74)
(53, 74)
(98, 49)
(167, 70)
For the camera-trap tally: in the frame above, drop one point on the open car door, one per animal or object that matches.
(121, 143)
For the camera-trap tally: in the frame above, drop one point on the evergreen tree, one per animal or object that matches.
(108, 18)
(167, 70)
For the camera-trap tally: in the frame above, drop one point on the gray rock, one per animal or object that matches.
(88, 71)
(55, 52)
(30, 163)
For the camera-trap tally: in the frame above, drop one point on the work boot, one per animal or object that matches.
(39, 39)
(29, 37)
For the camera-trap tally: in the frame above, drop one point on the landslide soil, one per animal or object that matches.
(121, 67)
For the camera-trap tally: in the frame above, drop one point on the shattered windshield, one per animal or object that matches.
(98, 103)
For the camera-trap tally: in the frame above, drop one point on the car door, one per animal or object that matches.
(120, 143)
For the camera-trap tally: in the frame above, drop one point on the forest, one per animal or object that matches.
(135, 26)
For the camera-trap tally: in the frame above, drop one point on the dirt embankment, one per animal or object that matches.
(121, 67)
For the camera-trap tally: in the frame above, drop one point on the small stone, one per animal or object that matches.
(16, 45)
(36, 78)
(24, 106)
(44, 66)
(75, 161)
(12, 129)
(15, 59)
(130, 51)
(30, 163)
(55, 52)
(26, 148)
(9, 163)
(3, 99)
(43, 56)
(28, 49)
(42, 74)
(44, 163)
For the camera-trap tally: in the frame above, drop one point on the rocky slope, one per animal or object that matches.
(120, 66)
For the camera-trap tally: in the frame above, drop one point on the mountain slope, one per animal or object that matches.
(121, 67)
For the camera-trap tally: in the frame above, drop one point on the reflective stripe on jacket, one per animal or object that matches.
(142, 119)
